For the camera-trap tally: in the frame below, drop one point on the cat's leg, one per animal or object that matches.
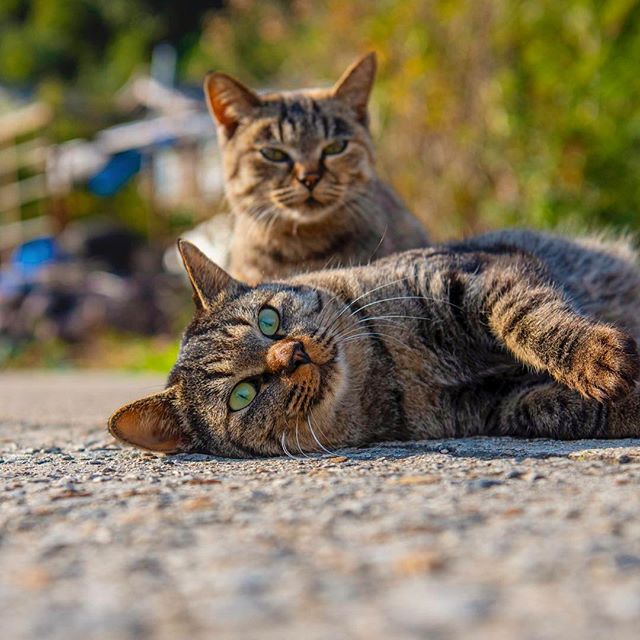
(536, 322)
(549, 410)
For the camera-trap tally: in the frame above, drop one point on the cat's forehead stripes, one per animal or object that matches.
(299, 117)
(229, 335)
(219, 361)
(266, 134)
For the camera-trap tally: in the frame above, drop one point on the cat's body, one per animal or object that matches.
(511, 333)
(300, 178)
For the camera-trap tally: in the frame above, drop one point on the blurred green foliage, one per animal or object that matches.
(92, 43)
(486, 112)
(107, 350)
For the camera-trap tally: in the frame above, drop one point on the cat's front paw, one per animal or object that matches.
(605, 364)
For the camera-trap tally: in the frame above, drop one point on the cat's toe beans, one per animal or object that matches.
(607, 364)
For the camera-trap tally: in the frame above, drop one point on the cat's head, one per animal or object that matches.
(295, 156)
(260, 371)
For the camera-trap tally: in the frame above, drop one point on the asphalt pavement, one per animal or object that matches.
(483, 537)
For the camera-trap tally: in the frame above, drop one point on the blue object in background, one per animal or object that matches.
(26, 261)
(31, 256)
(116, 173)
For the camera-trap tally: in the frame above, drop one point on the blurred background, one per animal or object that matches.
(486, 113)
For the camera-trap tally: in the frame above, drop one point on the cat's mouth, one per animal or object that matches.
(310, 423)
(313, 208)
(315, 204)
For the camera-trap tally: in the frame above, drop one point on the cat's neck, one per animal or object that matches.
(371, 223)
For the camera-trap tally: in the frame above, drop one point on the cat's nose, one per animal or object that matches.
(285, 356)
(309, 179)
(298, 356)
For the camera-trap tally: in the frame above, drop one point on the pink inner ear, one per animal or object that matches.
(229, 100)
(223, 109)
(150, 426)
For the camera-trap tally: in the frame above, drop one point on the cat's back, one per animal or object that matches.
(401, 229)
(567, 258)
(600, 273)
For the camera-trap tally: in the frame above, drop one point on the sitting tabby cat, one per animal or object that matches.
(510, 333)
(300, 178)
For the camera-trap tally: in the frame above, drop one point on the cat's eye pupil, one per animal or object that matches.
(268, 321)
(242, 396)
(337, 146)
(273, 154)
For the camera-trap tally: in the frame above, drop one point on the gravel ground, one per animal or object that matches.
(490, 538)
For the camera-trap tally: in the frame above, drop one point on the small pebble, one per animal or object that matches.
(484, 483)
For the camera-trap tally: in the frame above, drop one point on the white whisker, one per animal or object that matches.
(298, 440)
(367, 293)
(390, 316)
(373, 253)
(313, 434)
(371, 304)
(285, 449)
(373, 334)
(353, 329)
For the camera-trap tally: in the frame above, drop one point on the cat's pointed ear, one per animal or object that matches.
(229, 100)
(354, 87)
(207, 278)
(150, 423)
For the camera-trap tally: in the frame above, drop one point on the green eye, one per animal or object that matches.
(268, 321)
(242, 396)
(336, 147)
(273, 154)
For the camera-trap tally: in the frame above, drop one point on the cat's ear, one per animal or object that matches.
(207, 278)
(229, 100)
(149, 423)
(354, 87)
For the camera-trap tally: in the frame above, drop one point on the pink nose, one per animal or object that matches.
(309, 180)
(285, 356)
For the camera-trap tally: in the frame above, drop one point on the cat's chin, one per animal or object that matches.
(310, 211)
(323, 411)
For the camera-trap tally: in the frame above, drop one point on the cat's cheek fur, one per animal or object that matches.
(358, 163)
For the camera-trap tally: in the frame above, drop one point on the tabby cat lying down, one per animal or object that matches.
(510, 333)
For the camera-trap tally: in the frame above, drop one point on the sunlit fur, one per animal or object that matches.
(511, 333)
(281, 226)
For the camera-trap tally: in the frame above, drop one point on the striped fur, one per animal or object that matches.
(314, 208)
(510, 333)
